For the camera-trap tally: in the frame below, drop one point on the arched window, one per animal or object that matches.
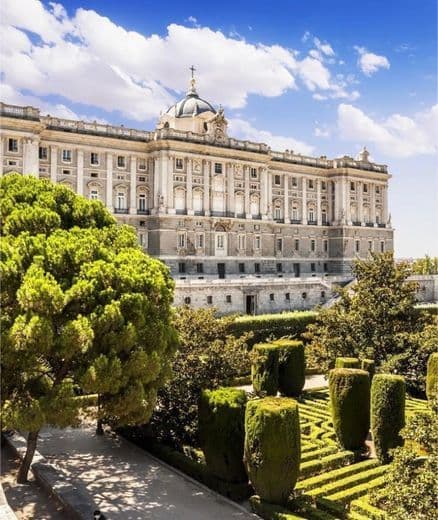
(198, 203)
(240, 203)
(311, 214)
(142, 202)
(295, 212)
(121, 200)
(180, 199)
(255, 205)
(324, 216)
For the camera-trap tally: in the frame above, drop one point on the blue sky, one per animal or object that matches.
(318, 77)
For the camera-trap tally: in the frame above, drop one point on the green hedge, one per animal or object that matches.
(272, 447)
(264, 368)
(222, 433)
(387, 413)
(291, 367)
(273, 326)
(432, 376)
(269, 511)
(370, 366)
(347, 362)
(350, 406)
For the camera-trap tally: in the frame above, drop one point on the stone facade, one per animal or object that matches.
(205, 203)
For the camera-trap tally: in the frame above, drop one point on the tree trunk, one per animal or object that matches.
(99, 428)
(23, 471)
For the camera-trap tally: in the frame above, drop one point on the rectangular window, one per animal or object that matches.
(279, 245)
(370, 245)
(209, 300)
(66, 172)
(287, 296)
(219, 241)
(377, 189)
(199, 268)
(271, 297)
(277, 213)
(365, 188)
(312, 245)
(94, 158)
(277, 180)
(217, 167)
(297, 244)
(323, 186)
(257, 267)
(325, 267)
(12, 145)
(253, 172)
(325, 246)
(311, 184)
(95, 175)
(279, 267)
(179, 164)
(352, 186)
(382, 246)
(181, 240)
(66, 155)
(200, 240)
(121, 161)
(42, 153)
(181, 267)
(142, 179)
(94, 195)
(257, 242)
(241, 267)
(294, 182)
(242, 242)
(142, 164)
(357, 246)
(228, 298)
(142, 239)
(312, 267)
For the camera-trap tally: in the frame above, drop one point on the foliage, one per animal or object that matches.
(222, 433)
(272, 447)
(411, 489)
(272, 326)
(264, 368)
(369, 366)
(208, 357)
(350, 406)
(291, 367)
(374, 319)
(347, 362)
(83, 308)
(432, 377)
(387, 413)
(426, 265)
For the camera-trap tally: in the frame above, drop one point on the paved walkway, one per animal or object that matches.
(314, 381)
(126, 482)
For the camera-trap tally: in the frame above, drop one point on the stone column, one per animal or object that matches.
(189, 187)
(156, 184)
(162, 181)
(264, 193)
(133, 186)
(30, 156)
(286, 199)
(347, 201)
(360, 203)
(330, 203)
(53, 163)
(384, 204)
(373, 203)
(206, 165)
(304, 200)
(269, 195)
(230, 189)
(318, 203)
(343, 208)
(170, 197)
(247, 194)
(109, 181)
(80, 173)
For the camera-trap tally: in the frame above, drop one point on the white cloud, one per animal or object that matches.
(244, 130)
(396, 136)
(369, 63)
(88, 59)
(325, 48)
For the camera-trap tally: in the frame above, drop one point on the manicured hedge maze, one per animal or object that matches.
(331, 484)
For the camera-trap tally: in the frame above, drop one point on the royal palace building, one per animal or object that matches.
(241, 226)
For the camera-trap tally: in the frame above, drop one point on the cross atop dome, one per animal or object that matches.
(192, 88)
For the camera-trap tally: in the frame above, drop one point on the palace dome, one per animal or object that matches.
(191, 105)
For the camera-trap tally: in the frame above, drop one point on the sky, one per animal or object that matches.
(316, 77)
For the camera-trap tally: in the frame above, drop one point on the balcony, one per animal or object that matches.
(312, 222)
(279, 220)
(199, 213)
(381, 225)
(295, 221)
(181, 212)
(356, 223)
(122, 211)
(143, 211)
(369, 224)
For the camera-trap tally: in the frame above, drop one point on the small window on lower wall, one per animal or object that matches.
(257, 267)
(271, 297)
(312, 267)
(228, 298)
(287, 296)
(187, 300)
(325, 267)
(322, 294)
(241, 267)
(209, 300)
(181, 267)
(304, 295)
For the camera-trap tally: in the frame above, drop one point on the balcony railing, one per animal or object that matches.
(199, 213)
(382, 225)
(279, 220)
(357, 223)
(296, 221)
(123, 211)
(312, 222)
(369, 224)
(181, 212)
(143, 211)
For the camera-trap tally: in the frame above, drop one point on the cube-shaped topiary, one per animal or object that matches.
(221, 416)
(264, 368)
(432, 376)
(350, 406)
(291, 367)
(387, 413)
(272, 447)
(347, 362)
(370, 366)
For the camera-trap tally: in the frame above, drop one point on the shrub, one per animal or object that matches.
(272, 447)
(387, 413)
(347, 362)
(291, 367)
(432, 376)
(222, 433)
(350, 406)
(369, 366)
(272, 326)
(264, 368)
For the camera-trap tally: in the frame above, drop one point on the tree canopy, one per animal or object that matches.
(84, 310)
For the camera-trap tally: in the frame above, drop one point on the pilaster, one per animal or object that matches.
(286, 198)
(304, 200)
(318, 202)
(189, 187)
(30, 156)
(360, 203)
(373, 203)
(133, 186)
(53, 163)
(206, 166)
(264, 193)
(109, 181)
(247, 193)
(230, 189)
(80, 173)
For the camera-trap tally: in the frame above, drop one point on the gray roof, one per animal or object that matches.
(191, 105)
